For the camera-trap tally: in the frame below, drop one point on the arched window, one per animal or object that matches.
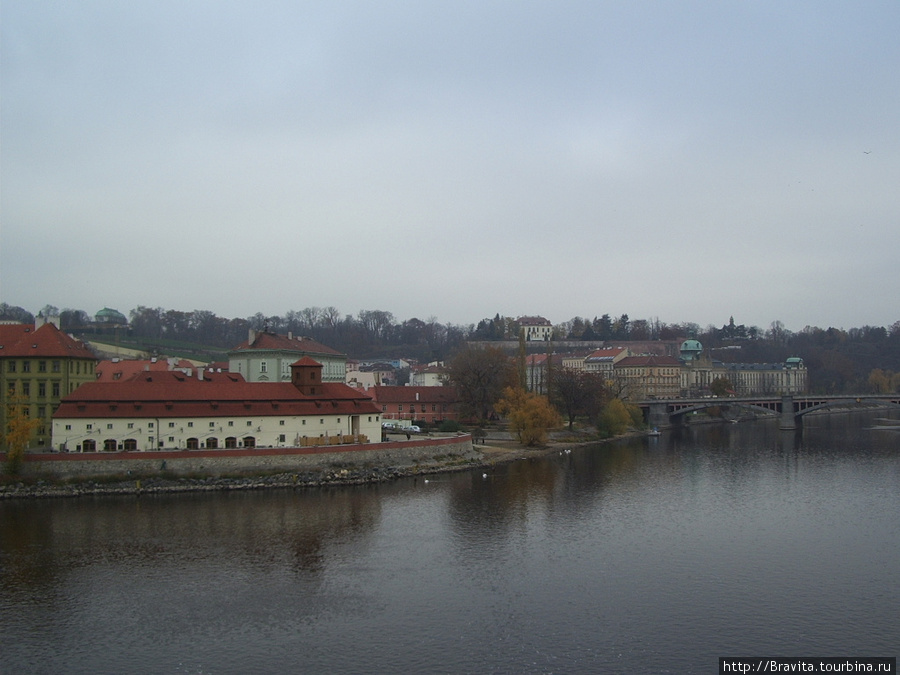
(89, 445)
(130, 444)
(193, 444)
(110, 445)
(231, 442)
(212, 442)
(249, 442)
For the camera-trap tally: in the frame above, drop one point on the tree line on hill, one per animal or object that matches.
(839, 360)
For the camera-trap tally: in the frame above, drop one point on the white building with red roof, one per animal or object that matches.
(267, 357)
(170, 410)
(537, 328)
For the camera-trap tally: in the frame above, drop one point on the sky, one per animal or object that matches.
(689, 161)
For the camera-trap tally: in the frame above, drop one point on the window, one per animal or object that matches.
(303, 422)
(42, 366)
(55, 390)
(400, 407)
(249, 423)
(150, 425)
(321, 421)
(89, 427)
(190, 424)
(26, 388)
(281, 438)
(263, 367)
(42, 411)
(42, 389)
(212, 424)
(68, 427)
(26, 366)
(281, 423)
(131, 425)
(11, 367)
(231, 423)
(109, 426)
(55, 366)
(171, 425)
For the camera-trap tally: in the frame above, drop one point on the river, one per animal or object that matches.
(650, 555)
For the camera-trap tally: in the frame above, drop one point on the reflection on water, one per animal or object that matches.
(647, 555)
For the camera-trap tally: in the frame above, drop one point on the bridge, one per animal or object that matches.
(662, 413)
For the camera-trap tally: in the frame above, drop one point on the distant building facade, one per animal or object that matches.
(267, 357)
(643, 377)
(602, 362)
(537, 328)
(426, 404)
(747, 379)
(431, 375)
(790, 377)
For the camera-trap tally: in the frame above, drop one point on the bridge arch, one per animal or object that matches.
(663, 413)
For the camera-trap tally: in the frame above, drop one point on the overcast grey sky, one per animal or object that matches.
(683, 160)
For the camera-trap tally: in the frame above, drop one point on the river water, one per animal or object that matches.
(652, 555)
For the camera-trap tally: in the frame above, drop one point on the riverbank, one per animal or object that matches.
(494, 452)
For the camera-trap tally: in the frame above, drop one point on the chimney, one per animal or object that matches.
(252, 336)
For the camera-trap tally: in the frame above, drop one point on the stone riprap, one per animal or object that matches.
(56, 474)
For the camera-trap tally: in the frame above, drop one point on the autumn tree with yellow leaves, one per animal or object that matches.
(530, 416)
(19, 427)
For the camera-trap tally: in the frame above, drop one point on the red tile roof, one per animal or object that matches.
(284, 343)
(306, 361)
(125, 369)
(24, 341)
(166, 395)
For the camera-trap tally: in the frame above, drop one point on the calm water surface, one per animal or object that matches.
(655, 555)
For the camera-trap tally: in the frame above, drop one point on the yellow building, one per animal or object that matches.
(39, 365)
(643, 377)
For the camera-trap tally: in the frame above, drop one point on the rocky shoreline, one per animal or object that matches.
(484, 456)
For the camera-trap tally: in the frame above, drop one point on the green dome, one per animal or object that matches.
(690, 350)
(107, 315)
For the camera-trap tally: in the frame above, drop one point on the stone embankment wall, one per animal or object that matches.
(77, 466)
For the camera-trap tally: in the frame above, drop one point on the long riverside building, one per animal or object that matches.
(171, 410)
